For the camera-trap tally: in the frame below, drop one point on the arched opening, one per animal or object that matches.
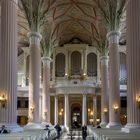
(76, 63)
(76, 116)
(92, 64)
(60, 65)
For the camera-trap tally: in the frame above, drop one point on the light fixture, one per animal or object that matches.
(91, 113)
(91, 120)
(115, 107)
(88, 109)
(97, 120)
(62, 109)
(3, 100)
(66, 74)
(138, 101)
(32, 109)
(60, 113)
(105, 110)
(84, 74)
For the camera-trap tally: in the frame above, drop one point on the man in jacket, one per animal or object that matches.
(84, 132)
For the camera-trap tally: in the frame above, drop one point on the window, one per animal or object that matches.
(92, 64)
(60, 65)
(76, 63)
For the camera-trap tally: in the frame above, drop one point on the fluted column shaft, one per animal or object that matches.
(26, 53)
(8, 61)
(94, 109)
(66, 64)
(66, 115)
(56, 110)
(46, 92)
(114, 92)
(84, 110)
(133, 65)
(98, 68)
(53, 70)
(34, 77)
(104, 91)
(85, 63)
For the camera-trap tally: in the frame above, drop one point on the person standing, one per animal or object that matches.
(58, 129)
(84, 132)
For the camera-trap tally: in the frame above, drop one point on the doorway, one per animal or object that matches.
(76, 116)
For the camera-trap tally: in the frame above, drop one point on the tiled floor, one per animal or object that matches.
(76, 135)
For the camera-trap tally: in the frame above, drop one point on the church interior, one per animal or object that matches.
(70, 62)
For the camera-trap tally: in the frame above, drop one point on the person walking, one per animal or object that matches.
(84, 132)
(58, 129)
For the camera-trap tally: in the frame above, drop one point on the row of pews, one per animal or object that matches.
(113, 134)
(32, 134)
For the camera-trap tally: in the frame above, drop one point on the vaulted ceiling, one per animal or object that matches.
(74, 19)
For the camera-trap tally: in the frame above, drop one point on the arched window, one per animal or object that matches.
(75, 63)
(122, 68)
(92, 64)
(60, 65)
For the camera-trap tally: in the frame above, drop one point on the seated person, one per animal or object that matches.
(3, 130)
(47, 128)
(98, 126)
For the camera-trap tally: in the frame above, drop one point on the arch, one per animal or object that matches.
(60, 65)
(92, 64)
(76, 115)
(75, 63)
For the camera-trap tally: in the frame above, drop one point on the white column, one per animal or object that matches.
(53, 70)
(66, 115)
(98, 68)
(114, 89)
(46, 92)
(56, 110)
(34, 78)
(94, 109)
(104, 91)
(66, 64)
(26, 53)
(84, 110)
(82, 61)
(133, 65)
(85, 63)
(8, 61)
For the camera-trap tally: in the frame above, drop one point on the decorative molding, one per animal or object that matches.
(34, 38)
(104, 60)
(113, 37)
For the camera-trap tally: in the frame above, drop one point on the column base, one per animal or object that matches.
(131, 128)
(114, 125)
(103, 124)
(32, 125)
(13, 127)
(66, 128)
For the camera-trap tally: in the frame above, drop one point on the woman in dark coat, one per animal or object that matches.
(84, 132)
(58, 129)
